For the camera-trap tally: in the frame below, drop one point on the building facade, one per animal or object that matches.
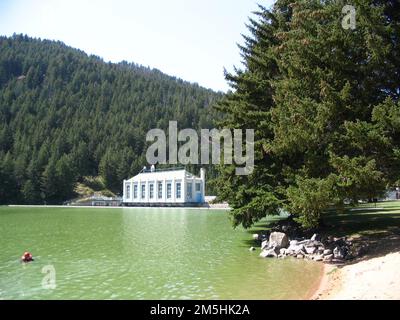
(170, 187)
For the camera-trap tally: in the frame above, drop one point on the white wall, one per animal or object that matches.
(165, 177)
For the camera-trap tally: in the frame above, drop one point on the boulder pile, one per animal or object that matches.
(330, 249)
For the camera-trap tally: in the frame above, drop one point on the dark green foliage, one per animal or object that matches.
(324, 103)
(8, 185)
(65, 115)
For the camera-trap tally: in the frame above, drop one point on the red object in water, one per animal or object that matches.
(27, 257)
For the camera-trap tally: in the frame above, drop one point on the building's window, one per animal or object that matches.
(135, 191)
(198, 186)
(151, 191)
(169, 190)
(178, 190)
(128, 191)
(189, 190)
(143, 193)
(159, 190)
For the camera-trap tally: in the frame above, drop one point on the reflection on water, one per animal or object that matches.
(141, 254)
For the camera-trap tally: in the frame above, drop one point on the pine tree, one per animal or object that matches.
(30, 192)
(65, 177)
(324, 103)
(108, 170)
(48, 182)
(8, 186)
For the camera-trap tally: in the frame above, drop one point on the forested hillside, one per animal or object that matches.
(65, 115)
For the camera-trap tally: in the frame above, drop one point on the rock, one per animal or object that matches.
(278, 240)
(302, 253)
(269, 253)
(314, 237)
(293, 242)
(264, 244)
(329, 257)
(319, 257)
(320, 249)
(310, 250)
(304, 242)
(252, 249)
(313, 243)
(300, 256)
(338, 253)
(327, 252)
(295, 249)
(283, 251)
(256, 236)
(272, 253)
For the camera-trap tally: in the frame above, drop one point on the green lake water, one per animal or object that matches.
(128, 253)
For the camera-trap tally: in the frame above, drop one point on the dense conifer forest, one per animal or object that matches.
(65, 116)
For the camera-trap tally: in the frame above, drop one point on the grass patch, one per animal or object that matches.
(335, 269)
(91, 186)
(375, 229)
(366, 220)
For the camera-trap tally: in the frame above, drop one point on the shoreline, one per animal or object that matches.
(327, 285)
(374, 278)
(313, 290)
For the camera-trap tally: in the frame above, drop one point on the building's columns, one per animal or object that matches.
(123, 191)
(140, 191)
(165, 190)
(184, 189)
(203, 183)
(174, 189)
(147, 191)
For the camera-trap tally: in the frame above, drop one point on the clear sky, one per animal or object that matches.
(191, 39)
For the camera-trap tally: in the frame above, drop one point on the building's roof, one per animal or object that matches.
(175, 172)
(149, 170)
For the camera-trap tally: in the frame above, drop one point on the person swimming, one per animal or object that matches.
(27, 257)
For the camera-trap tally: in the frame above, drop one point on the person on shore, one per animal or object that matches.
(27, 257)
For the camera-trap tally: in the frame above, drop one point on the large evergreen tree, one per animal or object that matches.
(324, 103)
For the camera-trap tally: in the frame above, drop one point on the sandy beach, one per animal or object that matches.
(372, 279)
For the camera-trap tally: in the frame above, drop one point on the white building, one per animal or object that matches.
(169, 187)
